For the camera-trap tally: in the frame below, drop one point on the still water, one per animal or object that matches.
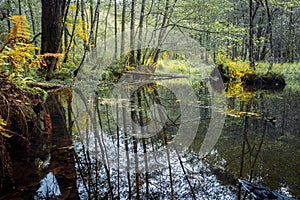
(146, 146)
(142, 146)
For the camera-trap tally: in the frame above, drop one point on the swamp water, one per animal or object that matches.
(142, 146)
(119, 154)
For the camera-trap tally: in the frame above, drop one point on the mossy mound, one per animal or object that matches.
(250, 80)
(269, 81)
(240, 72)
(23, 116)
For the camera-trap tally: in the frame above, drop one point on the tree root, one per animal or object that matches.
(24, 114)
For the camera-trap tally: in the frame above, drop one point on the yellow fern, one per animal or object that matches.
(41, 62)
(3, 131)
(17, 51)
(20, 29)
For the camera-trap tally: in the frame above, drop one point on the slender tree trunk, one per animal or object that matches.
(132, 32)
(97, 29)
(251, 33)
(123, 28)
(65, 30)
(147, 50)
(106, 24)
(291, 45)
(92, 18)
(116, 29)
(245, 38)
(93, 25)
(270, 35)
(87, 48)
(141, 23)
(8, 14)
(68, 46)
(259, 35)
(172, 8)
(20, 7)
(29, 3)
(162, 31)
(82, 7)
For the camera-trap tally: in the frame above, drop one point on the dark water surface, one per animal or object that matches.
(260, 142)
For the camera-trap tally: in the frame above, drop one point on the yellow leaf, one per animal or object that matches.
(73, 7)
(233, 115)
(2, 122)
(5, 134)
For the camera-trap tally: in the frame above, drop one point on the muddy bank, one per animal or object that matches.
(26, 119)
(34, 141)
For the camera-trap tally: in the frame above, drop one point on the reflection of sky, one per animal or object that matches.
(197, 171)
(49, 188)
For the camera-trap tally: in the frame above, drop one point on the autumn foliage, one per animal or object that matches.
(18, 53)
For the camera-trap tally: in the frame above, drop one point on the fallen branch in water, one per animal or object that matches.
(156, 74)
(53, 88)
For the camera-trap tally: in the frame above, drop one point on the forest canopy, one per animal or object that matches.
(252, 30)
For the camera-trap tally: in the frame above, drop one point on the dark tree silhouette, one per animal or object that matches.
(53, 12)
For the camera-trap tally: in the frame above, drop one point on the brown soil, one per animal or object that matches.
(25, 116)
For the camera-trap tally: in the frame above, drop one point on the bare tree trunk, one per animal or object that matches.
(147, 50)
(291, 46)
(123, 28)
(20, 7)
(90, 37)
(105, 25)
(139, 51)
(116, 29)
(270, 34)
(82, 5)
(52, 29)
(97, 29)
(8, 14)
(68, 47)
(29, 2)
(92, 18)
(132, 32)
(92, 30)
(260, 32)
(162, 31)
(251, 46)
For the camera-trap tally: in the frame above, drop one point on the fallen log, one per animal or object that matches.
(264, 82)
(53, 88)
(268, 81)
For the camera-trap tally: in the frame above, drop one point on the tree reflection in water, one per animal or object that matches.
(121, 162)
